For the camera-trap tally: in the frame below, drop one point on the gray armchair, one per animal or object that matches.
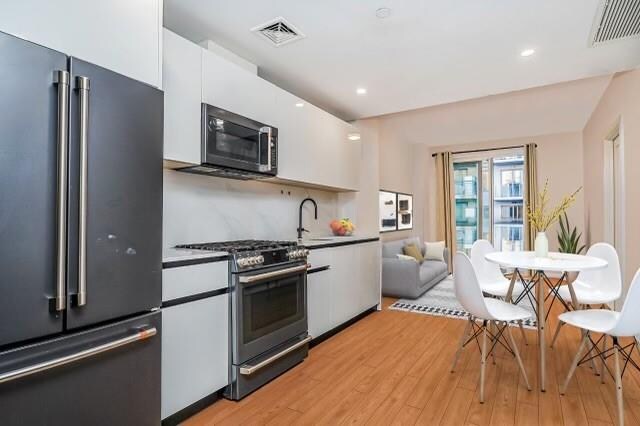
(407, 278)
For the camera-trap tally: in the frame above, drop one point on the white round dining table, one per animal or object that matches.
(566, 264)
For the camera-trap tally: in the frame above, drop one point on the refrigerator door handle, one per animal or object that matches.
(83, 86)
(139, 335)
(61, 78)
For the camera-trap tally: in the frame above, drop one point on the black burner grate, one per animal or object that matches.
(239, 245)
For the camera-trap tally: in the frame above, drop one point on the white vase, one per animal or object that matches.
(542, 245)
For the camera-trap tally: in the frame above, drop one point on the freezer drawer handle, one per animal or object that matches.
(141, 334)
(83, 86)
(61, 78)
(248, 369)
(248, 279)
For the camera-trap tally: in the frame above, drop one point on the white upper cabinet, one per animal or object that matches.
(313, 145)
(121, 35)
(182, 83)
(233, 88)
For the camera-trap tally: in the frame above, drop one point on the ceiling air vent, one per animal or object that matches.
(278, 32)
(616, 20)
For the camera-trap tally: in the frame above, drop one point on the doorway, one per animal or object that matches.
(614, 195)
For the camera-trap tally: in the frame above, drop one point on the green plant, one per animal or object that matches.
(568, 238)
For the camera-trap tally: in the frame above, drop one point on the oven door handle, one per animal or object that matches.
(250, 279)
(248, 369)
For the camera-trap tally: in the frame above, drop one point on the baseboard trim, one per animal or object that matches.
(338, 329)
(182, 415)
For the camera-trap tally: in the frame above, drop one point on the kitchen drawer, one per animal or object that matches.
(190, 280)
(195, 351)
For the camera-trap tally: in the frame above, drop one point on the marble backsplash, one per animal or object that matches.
(203, 208)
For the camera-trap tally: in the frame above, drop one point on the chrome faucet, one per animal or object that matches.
(300, 228)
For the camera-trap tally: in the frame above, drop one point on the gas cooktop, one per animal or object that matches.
(240, 245)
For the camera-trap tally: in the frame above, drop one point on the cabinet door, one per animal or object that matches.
(233, 88)
(195, 351)
(182, 84)
(319, 292)
(345, 277)
(370, 279)
(319, 302)
(293, 139)
(121, 35)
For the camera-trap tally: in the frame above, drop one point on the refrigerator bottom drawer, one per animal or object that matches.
(104, 376)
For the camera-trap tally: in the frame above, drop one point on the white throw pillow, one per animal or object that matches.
(434, 251)
(405, 257)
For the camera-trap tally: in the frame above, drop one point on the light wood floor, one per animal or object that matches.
(393, 368)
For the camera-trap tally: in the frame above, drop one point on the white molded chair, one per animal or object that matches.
(596, 287)
(492, 280)
(488, 310)
(625, 323)
(490, 277)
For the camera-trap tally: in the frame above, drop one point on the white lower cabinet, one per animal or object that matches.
(348, 288)
(195, 351)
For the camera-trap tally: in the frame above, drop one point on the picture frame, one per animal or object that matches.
(395, 211)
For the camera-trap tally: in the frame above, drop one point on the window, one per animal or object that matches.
(489, 199)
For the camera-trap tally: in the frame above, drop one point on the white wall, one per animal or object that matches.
(203, 208)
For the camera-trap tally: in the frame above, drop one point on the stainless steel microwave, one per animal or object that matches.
(236, 147)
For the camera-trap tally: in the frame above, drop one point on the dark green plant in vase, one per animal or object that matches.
(568, 238)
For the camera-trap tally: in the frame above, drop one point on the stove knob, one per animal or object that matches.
(253, 260)
(261, 259)
(306, 252)
(242, 262)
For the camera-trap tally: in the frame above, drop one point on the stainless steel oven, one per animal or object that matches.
(269, 308)
(238, 145)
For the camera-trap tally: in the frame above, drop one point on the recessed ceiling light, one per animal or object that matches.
(361, 91)
(383, 12)
(527, 52)
(299, 104)
(354, 136)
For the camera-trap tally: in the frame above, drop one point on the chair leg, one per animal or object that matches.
(463, 339)
(557, 333)
(574, 364)
(483, 360)
(603, 365)
(524, 336)
(618, 383)
(517, 354)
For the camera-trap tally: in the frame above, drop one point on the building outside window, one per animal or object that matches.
(489, 199)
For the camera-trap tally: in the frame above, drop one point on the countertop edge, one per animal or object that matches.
(330, 244)
(193, 261)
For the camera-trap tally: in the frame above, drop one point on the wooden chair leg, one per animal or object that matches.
(618, 384)
(465, 336)
(557, 333)
(524, 336)
(574, 364)
(517, 354)
(603, 370)
(483, 360)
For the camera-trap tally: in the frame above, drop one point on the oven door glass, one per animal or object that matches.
(269, 313)
(271, 306)
(235, 145)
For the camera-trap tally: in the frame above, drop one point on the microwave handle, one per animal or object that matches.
(267, 130)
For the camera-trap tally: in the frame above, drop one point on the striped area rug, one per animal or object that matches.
(441, 301)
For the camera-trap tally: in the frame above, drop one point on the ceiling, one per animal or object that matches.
(552, 109)
(425, 53)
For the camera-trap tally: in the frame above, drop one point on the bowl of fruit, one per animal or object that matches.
(342, 227)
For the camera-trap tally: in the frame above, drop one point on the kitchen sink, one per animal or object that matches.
(321, 239)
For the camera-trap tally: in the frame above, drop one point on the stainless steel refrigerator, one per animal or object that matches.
(80, 241)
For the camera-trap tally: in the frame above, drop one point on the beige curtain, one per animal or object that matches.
(445, 195)
(531, 191)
